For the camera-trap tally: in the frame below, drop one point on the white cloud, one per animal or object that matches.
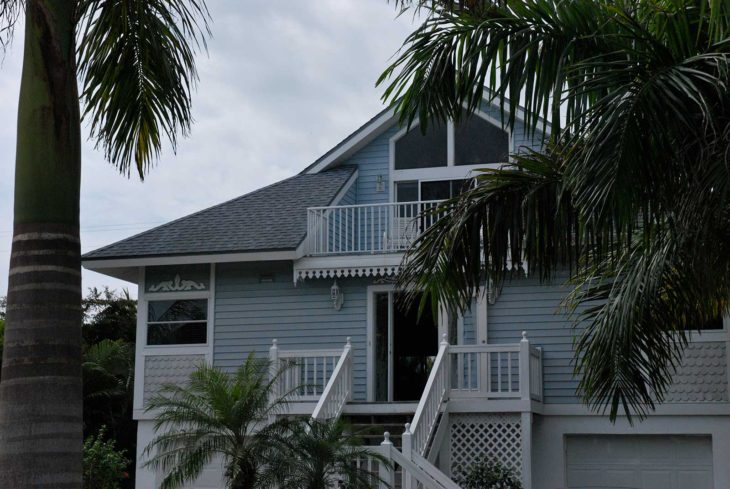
(283, 82)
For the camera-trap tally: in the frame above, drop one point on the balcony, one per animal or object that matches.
(366, 229)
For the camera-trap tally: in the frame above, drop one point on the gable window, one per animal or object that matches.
(177, 322)
(416, 150)
(478, 142)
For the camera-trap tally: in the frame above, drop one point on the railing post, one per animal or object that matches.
(407, 447)
(274, 370)
(386, 474)
(348, 347)
(447, 364)
(524, 367)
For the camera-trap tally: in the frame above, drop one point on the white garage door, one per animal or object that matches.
(639, 462)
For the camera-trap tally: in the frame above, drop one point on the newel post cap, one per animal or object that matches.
(444, 340)
(524, 336)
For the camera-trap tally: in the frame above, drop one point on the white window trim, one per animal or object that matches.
(142, 349)
(448, 172)
(442, 326)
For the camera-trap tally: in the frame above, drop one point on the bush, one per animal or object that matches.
(487, 474)
(104, 465)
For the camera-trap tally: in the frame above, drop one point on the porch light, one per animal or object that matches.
(380, 183)
(337, 296)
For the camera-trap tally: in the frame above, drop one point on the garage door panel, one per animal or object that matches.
(639, 462)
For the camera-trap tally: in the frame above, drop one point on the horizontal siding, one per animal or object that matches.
(249, 314)
(373, 160)
(526, 305)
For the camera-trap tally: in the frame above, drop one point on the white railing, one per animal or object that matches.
(366, 228)
(430, 407)
(497, 371)
(304, 373)
(415, 471)
(536, 373)
(338, 389)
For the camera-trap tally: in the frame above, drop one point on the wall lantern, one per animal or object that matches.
(337, 296)
(380, 183)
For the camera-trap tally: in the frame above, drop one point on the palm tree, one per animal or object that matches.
(135, 60)
(217, 414)
(631, 195)
(315, 454)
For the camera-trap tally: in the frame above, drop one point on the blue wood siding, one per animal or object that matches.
(249, 314)
(470, 332)
(527, 305)
(372, 161)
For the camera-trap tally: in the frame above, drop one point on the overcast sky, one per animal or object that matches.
(284, 81)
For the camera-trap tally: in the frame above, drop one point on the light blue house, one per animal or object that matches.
(303, 271)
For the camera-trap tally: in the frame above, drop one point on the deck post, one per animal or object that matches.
(407, 448)
(273, 372)
(524, 368)
(526, 425)
(386, 474)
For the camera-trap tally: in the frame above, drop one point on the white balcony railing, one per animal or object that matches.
(511, 371)
(375, 228)
(304, 373)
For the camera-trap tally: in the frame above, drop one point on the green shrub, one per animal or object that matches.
(104, 465)
(487, 474)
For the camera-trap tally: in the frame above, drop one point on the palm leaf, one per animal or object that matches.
(137, 67)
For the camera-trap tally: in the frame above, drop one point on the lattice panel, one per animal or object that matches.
(495, 436)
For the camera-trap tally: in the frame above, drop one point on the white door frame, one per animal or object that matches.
(442, 326)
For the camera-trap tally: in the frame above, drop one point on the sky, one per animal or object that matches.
(283, 81)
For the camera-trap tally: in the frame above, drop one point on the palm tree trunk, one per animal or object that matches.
(40, 392)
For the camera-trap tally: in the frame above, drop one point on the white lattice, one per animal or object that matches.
(495, 436)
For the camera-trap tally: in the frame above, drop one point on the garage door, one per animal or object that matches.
(639, 462)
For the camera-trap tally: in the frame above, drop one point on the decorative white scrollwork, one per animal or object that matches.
(177, 285)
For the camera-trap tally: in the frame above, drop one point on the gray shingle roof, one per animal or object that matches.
(273, 218)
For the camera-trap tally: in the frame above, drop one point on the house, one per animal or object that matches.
(302, 271)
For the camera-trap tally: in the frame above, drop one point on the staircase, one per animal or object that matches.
(505, 373)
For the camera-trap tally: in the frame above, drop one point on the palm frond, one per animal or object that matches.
(215, 413)
(10, 11)
(630, 195)
(138, 70)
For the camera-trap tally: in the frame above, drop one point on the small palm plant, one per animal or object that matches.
(216, 414)
(313, 454)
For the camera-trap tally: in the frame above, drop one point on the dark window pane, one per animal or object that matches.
(406, 191)
(715, 324)
(176, 333)
(417, 150)
(438, 190)
(180, 310)
(442, 189)
(478, 142)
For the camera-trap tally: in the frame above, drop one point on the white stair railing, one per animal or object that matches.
(338, 389)
(413, 468)
(426, 418)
